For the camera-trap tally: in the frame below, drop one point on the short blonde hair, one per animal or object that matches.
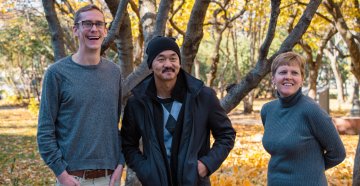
(288, 59)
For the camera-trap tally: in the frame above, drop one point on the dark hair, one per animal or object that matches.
(85, 9)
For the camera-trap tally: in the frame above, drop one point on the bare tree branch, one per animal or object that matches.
(275, 11)
(252, 79)
(172, 23)
(162, 16)
(68, 5)
(194, 34)
(115, 26)
(134, 8)
(347, 36)
(57, 35)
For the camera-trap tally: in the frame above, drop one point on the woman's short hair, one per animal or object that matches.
(85, 9)
(288, 59)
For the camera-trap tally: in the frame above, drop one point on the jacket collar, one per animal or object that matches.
(185, 82)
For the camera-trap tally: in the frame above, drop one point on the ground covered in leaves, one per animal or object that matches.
(20, 163)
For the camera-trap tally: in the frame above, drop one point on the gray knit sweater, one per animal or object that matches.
(302, 141)
(79, 115)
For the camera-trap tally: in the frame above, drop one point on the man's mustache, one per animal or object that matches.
(168, 69)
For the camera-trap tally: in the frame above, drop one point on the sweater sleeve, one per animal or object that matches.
(46, 137)
(263, 114)
(325, 132)
(223, 133)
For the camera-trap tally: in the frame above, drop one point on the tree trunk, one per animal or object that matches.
(115, 24)
(249, 102)
(214, 61)
(262, 68)
(236, 58)
(313, 74)
(355, 111)
(197, 68)
(194, 34)
(123, 40)
(314, 64)
(124, 45)
(57, 34)
(338, 79)
(346, 34)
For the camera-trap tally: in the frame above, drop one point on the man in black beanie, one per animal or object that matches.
(174, 113)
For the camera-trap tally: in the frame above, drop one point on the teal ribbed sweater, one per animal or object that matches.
(79, 116)
(302, 141)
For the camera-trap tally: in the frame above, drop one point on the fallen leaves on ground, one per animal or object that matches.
(247, 163)
(20, 162)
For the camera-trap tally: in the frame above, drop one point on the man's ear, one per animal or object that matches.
(75, 30)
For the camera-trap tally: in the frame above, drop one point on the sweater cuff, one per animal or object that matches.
(58, 167)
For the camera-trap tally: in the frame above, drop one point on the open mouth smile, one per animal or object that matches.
(93, 37)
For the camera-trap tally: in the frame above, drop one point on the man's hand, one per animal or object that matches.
(67, 180)
(202, 169)
(116, 176)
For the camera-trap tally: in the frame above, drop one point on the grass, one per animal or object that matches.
(20, 162)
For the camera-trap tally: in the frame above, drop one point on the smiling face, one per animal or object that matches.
(287, 79)
(288, 72)
(90, 38)
(166, 66)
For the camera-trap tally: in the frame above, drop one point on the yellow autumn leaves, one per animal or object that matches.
(246, 165)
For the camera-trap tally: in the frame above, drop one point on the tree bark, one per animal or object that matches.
(194, 34)
(115, 26)
(314, 65)
(124, 45)
(214, 60)
(123, 40)
(249, 102)
(57, 34)
(333, 57)
(348, 37)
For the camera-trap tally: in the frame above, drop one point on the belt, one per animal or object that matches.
(91, 174)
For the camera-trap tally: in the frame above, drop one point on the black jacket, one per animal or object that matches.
(202, 114)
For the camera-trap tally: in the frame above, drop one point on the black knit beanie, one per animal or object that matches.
(159, 44)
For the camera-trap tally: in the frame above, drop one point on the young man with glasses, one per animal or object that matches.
(78, 133)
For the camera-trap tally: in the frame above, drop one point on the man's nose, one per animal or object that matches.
(93, 27)
(167, 61)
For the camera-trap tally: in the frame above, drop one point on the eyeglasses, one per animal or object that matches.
(88, 24)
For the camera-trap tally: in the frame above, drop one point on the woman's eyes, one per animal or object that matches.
(285, 72)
